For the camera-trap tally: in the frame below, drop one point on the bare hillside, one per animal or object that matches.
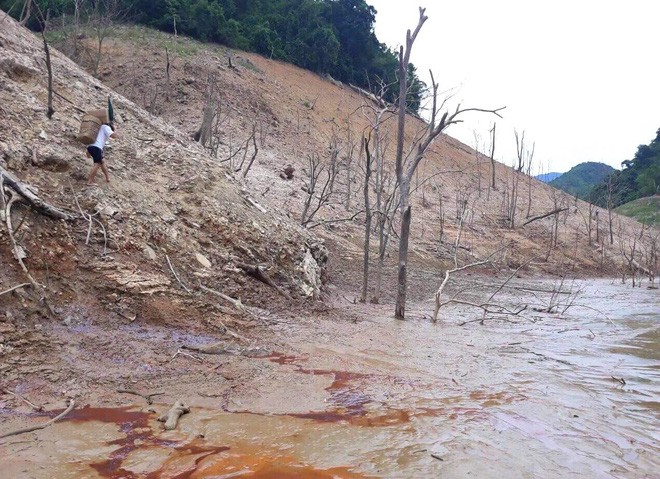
(138, 250)
(296, 114)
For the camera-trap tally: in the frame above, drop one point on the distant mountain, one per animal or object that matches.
(548, 177)
(579, 180)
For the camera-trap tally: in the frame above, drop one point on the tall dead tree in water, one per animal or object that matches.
(405, 172)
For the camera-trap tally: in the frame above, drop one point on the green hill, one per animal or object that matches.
(639, 178)
(581, 178)
(645, 210)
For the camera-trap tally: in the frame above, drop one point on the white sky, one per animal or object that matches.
(581, 77)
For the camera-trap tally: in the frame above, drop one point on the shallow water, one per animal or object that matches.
(576, 396)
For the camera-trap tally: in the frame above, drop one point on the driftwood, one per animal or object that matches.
(31, 404)
(545, 215)
(176, 276)
(6, 178)
(215, 348)
(69, 408)
(234, 302)
(147, 397)
(257, 273)
(172, 417)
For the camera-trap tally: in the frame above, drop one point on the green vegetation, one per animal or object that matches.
(639, 178)
(581, 178)
(645, 210)
(326, 36)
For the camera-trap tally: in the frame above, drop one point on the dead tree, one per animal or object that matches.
(318, 194)
(477, 155)
(377, 114)
(652, 246)
(405, 173)
(492, 159)
(609, 207)
(44, 25)
(209, 113)
(26, 13)
(103, 16)
(367, 223)
(630, 250)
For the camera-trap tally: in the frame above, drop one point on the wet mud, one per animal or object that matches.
(548, 396)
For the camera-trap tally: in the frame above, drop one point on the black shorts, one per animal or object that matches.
(96, 152)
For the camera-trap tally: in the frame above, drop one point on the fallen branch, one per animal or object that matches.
(147, 397)
(215, 348)
(176, 275)
(545, 215)
(186, 354)
(33, 200)
(339, 220)
(172, 417)
(619, 380)
(234, 302)
(15, 248)
(448, 272)
(13, 289)
(32, 405)
(70, 407)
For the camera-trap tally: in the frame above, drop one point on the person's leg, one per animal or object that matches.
(92, 174)
(105, 172)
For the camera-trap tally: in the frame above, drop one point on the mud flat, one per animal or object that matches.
(540, 395)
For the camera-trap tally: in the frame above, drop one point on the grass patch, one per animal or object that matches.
(645, 210)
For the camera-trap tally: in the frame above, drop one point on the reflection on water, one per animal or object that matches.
(570, 397)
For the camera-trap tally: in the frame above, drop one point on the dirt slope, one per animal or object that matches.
(168, 209)
(297, 113)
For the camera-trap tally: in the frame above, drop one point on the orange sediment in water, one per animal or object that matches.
(260, 466)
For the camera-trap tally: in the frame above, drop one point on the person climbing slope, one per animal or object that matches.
(95, 151)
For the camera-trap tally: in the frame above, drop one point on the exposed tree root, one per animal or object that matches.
(6, 178)
(172, 417)
(257, 273)
(147, 397)
(69, 408)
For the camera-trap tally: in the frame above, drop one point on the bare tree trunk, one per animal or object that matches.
(492, 158)
(26, 13)
(609, 207)
(367, 225)
(49, 67)
(434, 128)
(400, 312)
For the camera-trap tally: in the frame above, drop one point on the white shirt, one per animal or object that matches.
(102, 137)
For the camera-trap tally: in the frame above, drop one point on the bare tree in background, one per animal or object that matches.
(477, 155)
(492, 159)
(405, 173)
(103, 15)
(609, 207)
(43, 24)
(318, 190)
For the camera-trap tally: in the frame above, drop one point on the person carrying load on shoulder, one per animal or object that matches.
(95, 151)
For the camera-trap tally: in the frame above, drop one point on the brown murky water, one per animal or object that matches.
(544, 397)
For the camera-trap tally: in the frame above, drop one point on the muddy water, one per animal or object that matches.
(576, 396)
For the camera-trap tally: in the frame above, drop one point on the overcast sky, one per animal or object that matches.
(581, 77)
